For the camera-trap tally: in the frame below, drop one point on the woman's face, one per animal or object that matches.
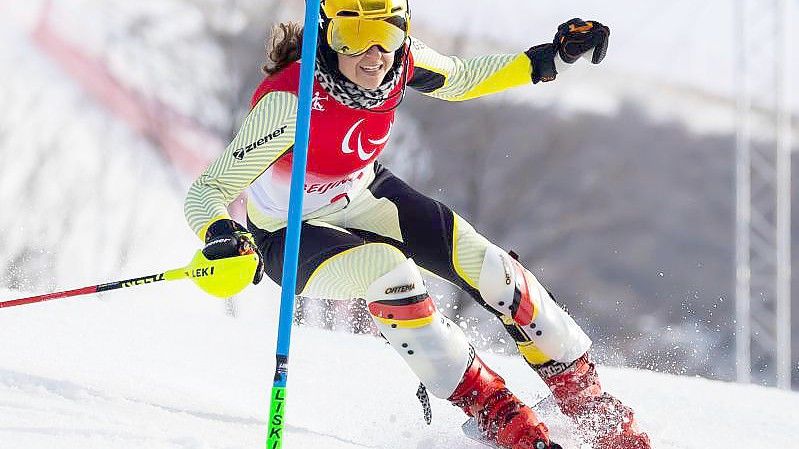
(368, 68)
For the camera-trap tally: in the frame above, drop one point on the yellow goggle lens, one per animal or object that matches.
(352, 36)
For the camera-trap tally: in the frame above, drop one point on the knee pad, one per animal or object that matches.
(434, 348)
(515, 293)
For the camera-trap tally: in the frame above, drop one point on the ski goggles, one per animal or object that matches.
(353, 36)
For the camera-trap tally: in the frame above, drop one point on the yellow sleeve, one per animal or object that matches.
(266, 134)
(454, 79)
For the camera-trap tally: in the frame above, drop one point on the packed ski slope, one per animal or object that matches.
(162, 367)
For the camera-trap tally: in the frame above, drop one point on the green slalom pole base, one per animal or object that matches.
(276, 418)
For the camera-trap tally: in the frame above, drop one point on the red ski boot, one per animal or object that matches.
(603, 419)
(501, 417)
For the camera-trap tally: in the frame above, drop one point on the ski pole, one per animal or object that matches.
(222, 278)
(293, 227)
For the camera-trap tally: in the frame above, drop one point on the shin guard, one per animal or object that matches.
(544, 332)
(434, 348)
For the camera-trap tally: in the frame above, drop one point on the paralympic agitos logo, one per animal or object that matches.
(241, 152)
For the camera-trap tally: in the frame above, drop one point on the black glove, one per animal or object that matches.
(573, 39)
(542, 58)
(226, 238)
(576, 37)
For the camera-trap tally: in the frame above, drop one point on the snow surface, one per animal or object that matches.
(162, 367)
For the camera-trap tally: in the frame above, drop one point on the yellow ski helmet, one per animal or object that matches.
(351, 27)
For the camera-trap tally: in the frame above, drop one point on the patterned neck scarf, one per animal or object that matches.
(350, 94)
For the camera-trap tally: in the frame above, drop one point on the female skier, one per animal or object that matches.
(365, 230)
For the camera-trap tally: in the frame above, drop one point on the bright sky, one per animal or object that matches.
(681, 41)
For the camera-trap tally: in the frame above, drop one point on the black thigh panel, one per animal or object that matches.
(426, 226)
(427, 231)
(317, 244)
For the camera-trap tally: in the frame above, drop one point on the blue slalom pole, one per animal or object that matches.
(290, 254)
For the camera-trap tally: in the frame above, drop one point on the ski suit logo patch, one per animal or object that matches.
(241, 152)
(400, 289)
(316, 102)
(363, 154)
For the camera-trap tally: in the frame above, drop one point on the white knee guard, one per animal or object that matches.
(434, 348)
(512, 290)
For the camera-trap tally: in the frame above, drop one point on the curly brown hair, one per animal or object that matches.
(284, 47)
